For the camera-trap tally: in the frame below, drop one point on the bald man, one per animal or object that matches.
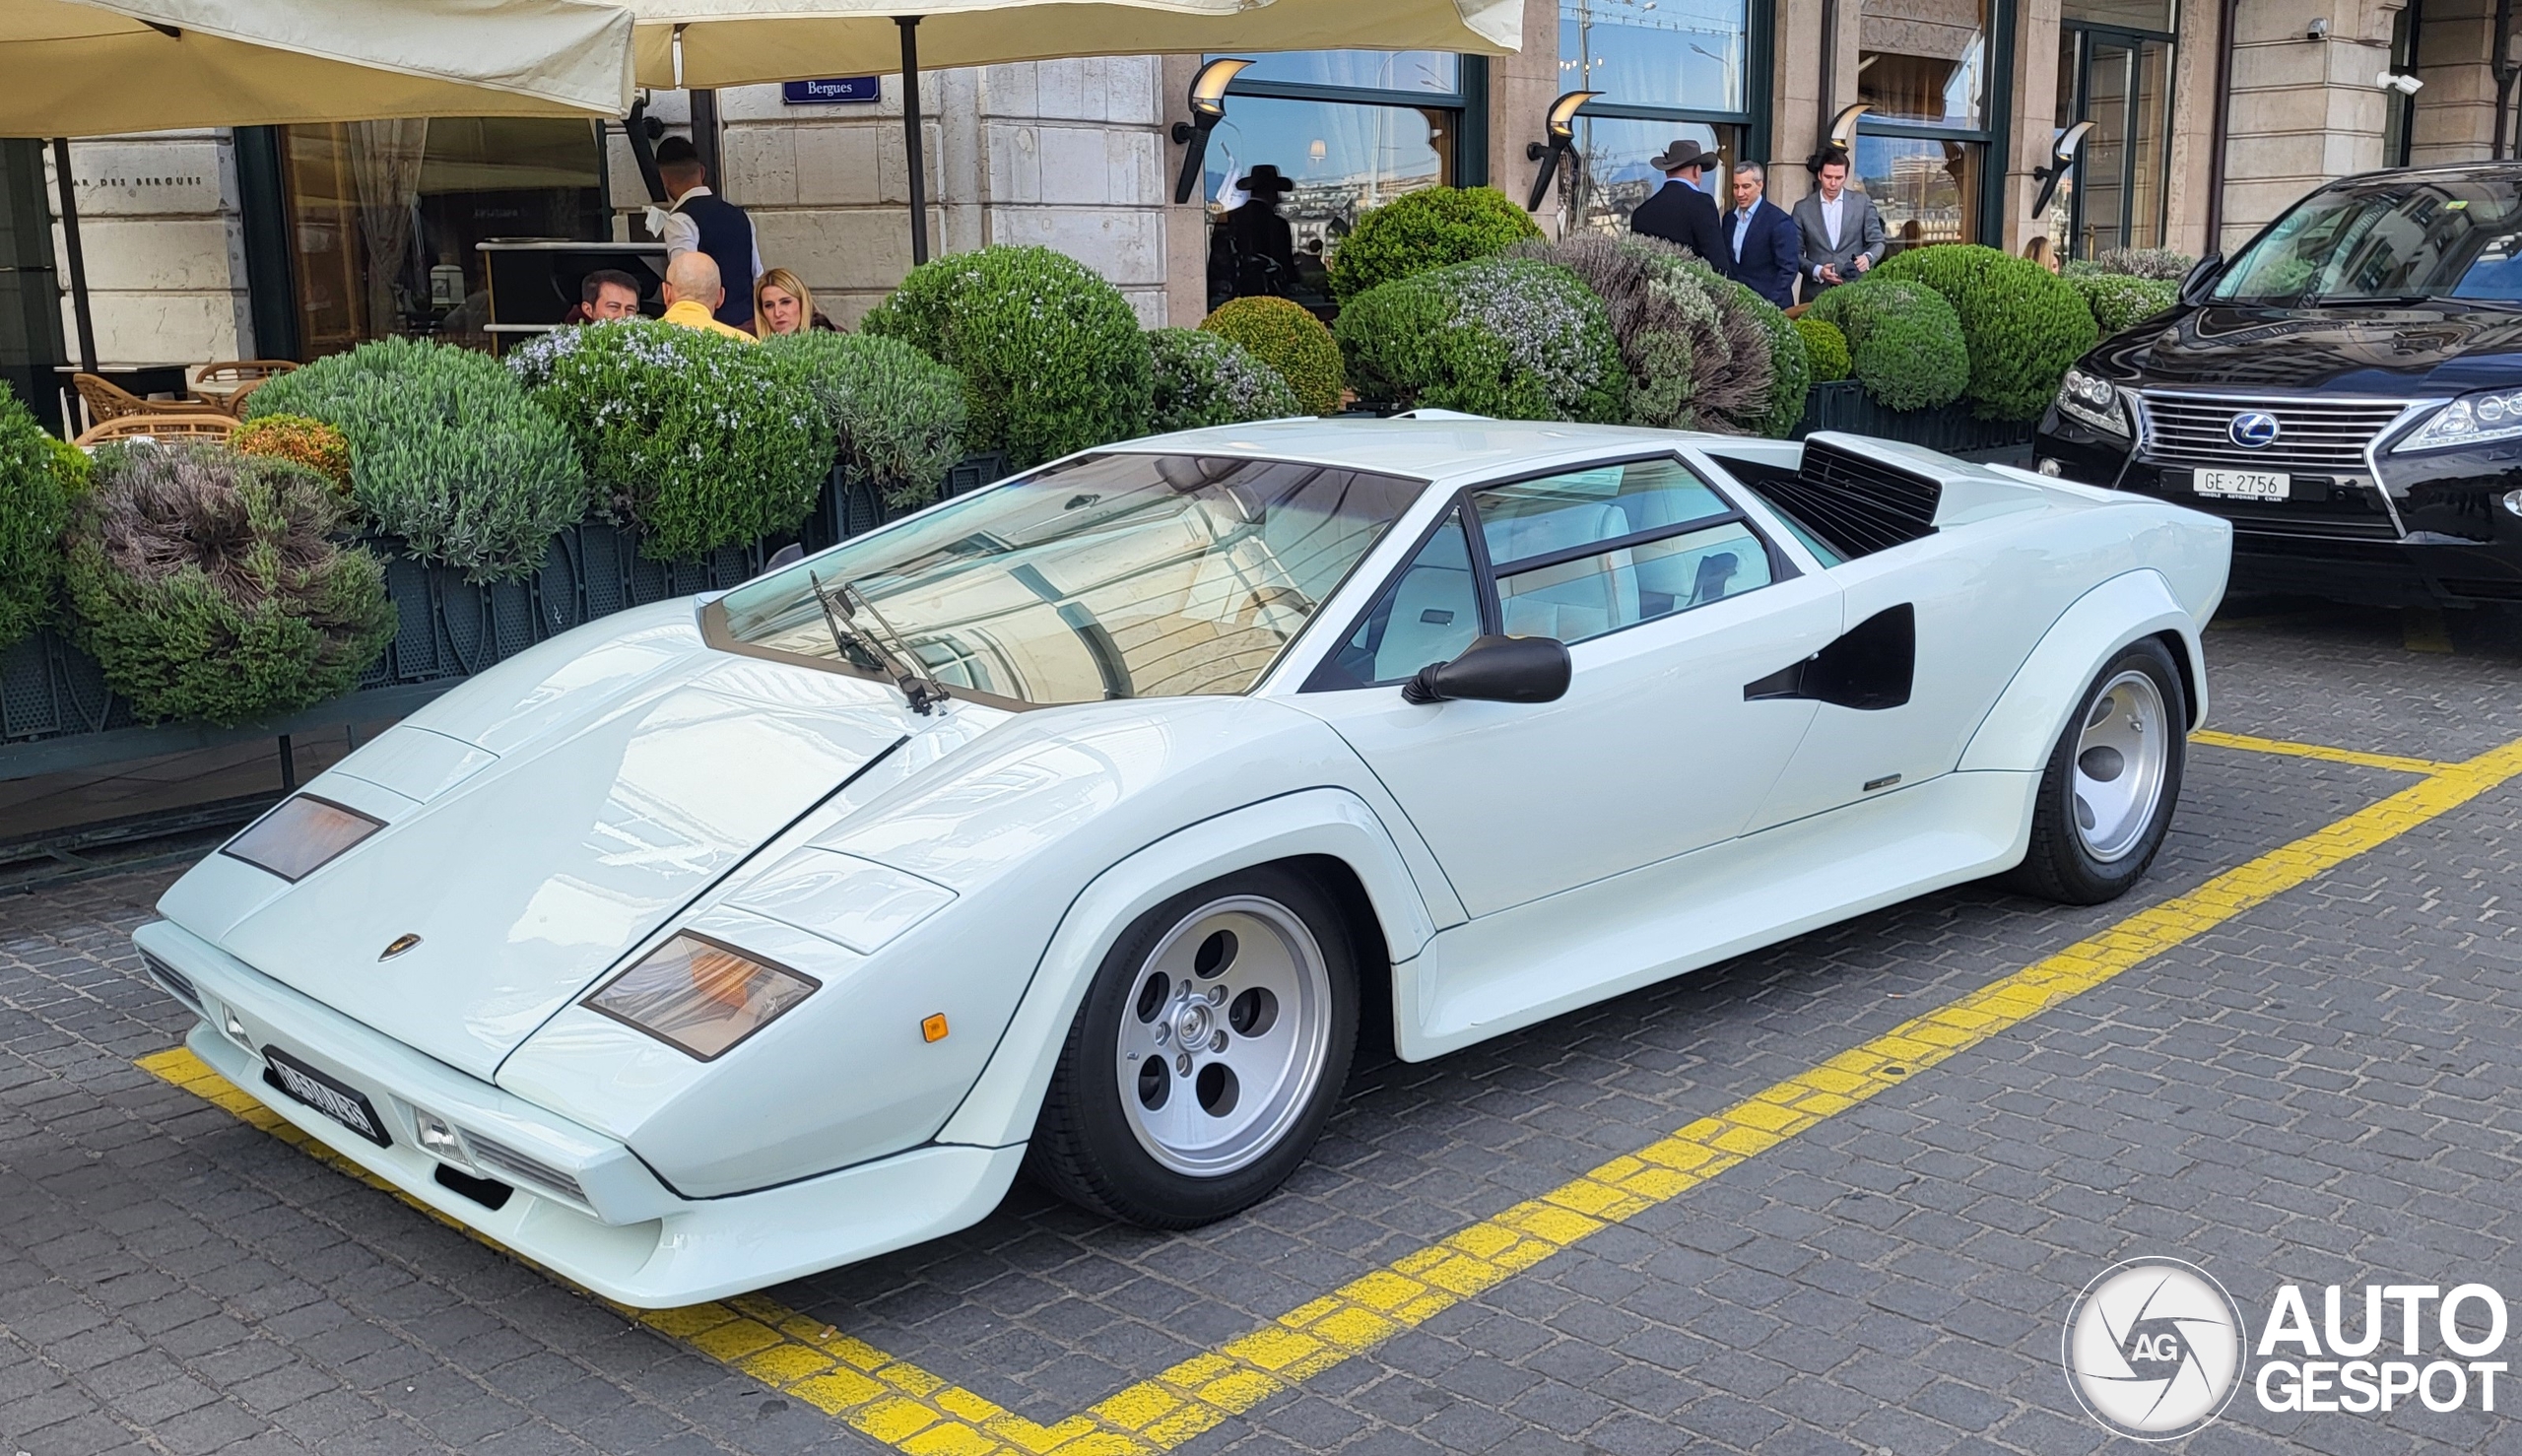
(693, 294)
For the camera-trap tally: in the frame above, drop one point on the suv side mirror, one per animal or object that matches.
(1496, 670)
(2202, 277)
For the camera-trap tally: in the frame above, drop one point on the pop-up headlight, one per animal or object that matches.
(699, 996)
(301, 837)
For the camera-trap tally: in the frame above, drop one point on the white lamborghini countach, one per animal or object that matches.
(1068, 826)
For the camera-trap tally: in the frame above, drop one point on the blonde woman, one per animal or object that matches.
(2042, 251)
(781, 304)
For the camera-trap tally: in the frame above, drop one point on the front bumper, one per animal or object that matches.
(2444, 537)
(624, 1235)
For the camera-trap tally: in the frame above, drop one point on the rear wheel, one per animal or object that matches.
(1207, 1056)
(2108, 795)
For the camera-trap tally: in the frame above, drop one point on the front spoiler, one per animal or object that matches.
(681, 1251)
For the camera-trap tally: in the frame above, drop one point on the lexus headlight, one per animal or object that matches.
(2091, 400)
(301, 837)
(699, 996)
(2472, 419)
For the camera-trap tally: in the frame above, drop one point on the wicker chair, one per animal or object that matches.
(229, 381)
(107, 401)
(190, 424)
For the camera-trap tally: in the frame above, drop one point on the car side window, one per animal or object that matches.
(1429, 612)
(1654, 559)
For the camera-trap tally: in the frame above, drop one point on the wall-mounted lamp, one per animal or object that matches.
(1844, 125)
(2071, 145)
(1208, 109)
(1561, 127)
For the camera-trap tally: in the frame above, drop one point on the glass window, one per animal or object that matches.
(1590, 596)
(1924, 60)
(1274, 231)
(1117, 576)
(1429, 614)
(1536, 518)
(1438, 70)
(2133, 15)
(1611, 175)
(1927, 188)
(1682, 54)
(383, 217)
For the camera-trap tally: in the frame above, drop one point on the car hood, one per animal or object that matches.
(2446, 348)
(529, 879)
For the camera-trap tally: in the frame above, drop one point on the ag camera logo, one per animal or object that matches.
(2154, 1349)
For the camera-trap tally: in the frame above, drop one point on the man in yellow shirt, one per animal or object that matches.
(693, 294)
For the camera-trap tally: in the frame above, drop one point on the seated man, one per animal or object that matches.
(605, 294)
(693, 294)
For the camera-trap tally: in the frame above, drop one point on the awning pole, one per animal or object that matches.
(910, 139)
(77, 259)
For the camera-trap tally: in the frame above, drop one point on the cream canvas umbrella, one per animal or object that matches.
(747, 42)
(72, 68)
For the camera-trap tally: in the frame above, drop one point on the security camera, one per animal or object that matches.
(2318, 29)
(2405, 84)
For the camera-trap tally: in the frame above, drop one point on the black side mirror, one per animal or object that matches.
(1496, 670)
(2202, 277)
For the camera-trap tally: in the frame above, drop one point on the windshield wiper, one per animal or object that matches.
(887, 653)
(2396, 300)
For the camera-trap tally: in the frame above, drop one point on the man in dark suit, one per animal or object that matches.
(1761, 249)
(1680, 212)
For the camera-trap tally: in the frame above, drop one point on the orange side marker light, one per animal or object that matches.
(933, 1029)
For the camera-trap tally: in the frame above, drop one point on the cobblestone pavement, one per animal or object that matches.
(2322, 1089)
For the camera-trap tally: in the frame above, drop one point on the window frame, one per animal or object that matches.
(1468, 101)
(2080, 37)
(1995, 133)
(1458, 510)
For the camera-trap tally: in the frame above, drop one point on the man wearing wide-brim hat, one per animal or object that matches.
(1264, 246)
(1680, 212)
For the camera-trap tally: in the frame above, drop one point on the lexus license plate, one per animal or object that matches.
(344, 1105)
(2244, 485)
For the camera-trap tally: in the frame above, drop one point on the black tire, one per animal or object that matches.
(2060, 864)
(1086, 1146)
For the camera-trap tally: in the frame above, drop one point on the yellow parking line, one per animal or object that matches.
(2210, 738)
(922, 1415)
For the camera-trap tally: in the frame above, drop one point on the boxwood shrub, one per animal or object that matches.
(2120, 300)
(1419, 231)
(1204, 379)
(1695, 361)
(210, 588)
(700, 439)
(1825, 347)
(2022, 323)
(1286, 336)
(1904, 341)
(896, 414)
(39, 478)
(1515, 338)
(447, 451)
(1051, 355)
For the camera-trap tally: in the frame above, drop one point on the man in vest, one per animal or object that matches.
(699, 221)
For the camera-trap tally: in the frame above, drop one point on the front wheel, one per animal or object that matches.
(1208, 1054)
(2108, 795)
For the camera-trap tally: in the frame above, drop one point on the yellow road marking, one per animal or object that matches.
(2210, 738)
(922, 1415)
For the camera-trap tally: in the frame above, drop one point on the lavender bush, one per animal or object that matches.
(1515, 337)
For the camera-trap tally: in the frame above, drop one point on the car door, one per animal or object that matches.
(1670, 601)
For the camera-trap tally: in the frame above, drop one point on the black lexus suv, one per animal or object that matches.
(2347, 391)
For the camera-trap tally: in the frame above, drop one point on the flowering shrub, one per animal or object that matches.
(700, 439)
(897, 415)
(2022, 324)
(1790, 372)
(209, 586)
(1693, 363)
(1429, 228)
(37, 488)
(2161, 264)
(1904, 341)
(1515, 338)
(310, 443)
(1286, 336)
(447, 451)
(1051, 356)
(1204, 379)
(1825, 347)
(2119, 301)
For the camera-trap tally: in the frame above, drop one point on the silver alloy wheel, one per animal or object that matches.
(1223, 1039)
(2121, 758)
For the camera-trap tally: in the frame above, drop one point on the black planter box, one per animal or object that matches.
(1842, 404)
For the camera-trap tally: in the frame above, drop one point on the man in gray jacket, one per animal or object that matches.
(1841, 230)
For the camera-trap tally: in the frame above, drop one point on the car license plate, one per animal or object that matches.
(344, 1105)
(2244, 485)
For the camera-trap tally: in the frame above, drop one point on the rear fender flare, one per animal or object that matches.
(2023, 729)
(1001, 1107)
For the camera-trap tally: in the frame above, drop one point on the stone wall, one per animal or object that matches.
(2455, 114)
(165, 254)
(2304, 111)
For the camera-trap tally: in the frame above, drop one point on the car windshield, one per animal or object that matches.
(2393, 239)
(1112, 576)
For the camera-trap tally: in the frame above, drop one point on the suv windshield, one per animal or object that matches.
(1114, 576)
(2390, 239)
